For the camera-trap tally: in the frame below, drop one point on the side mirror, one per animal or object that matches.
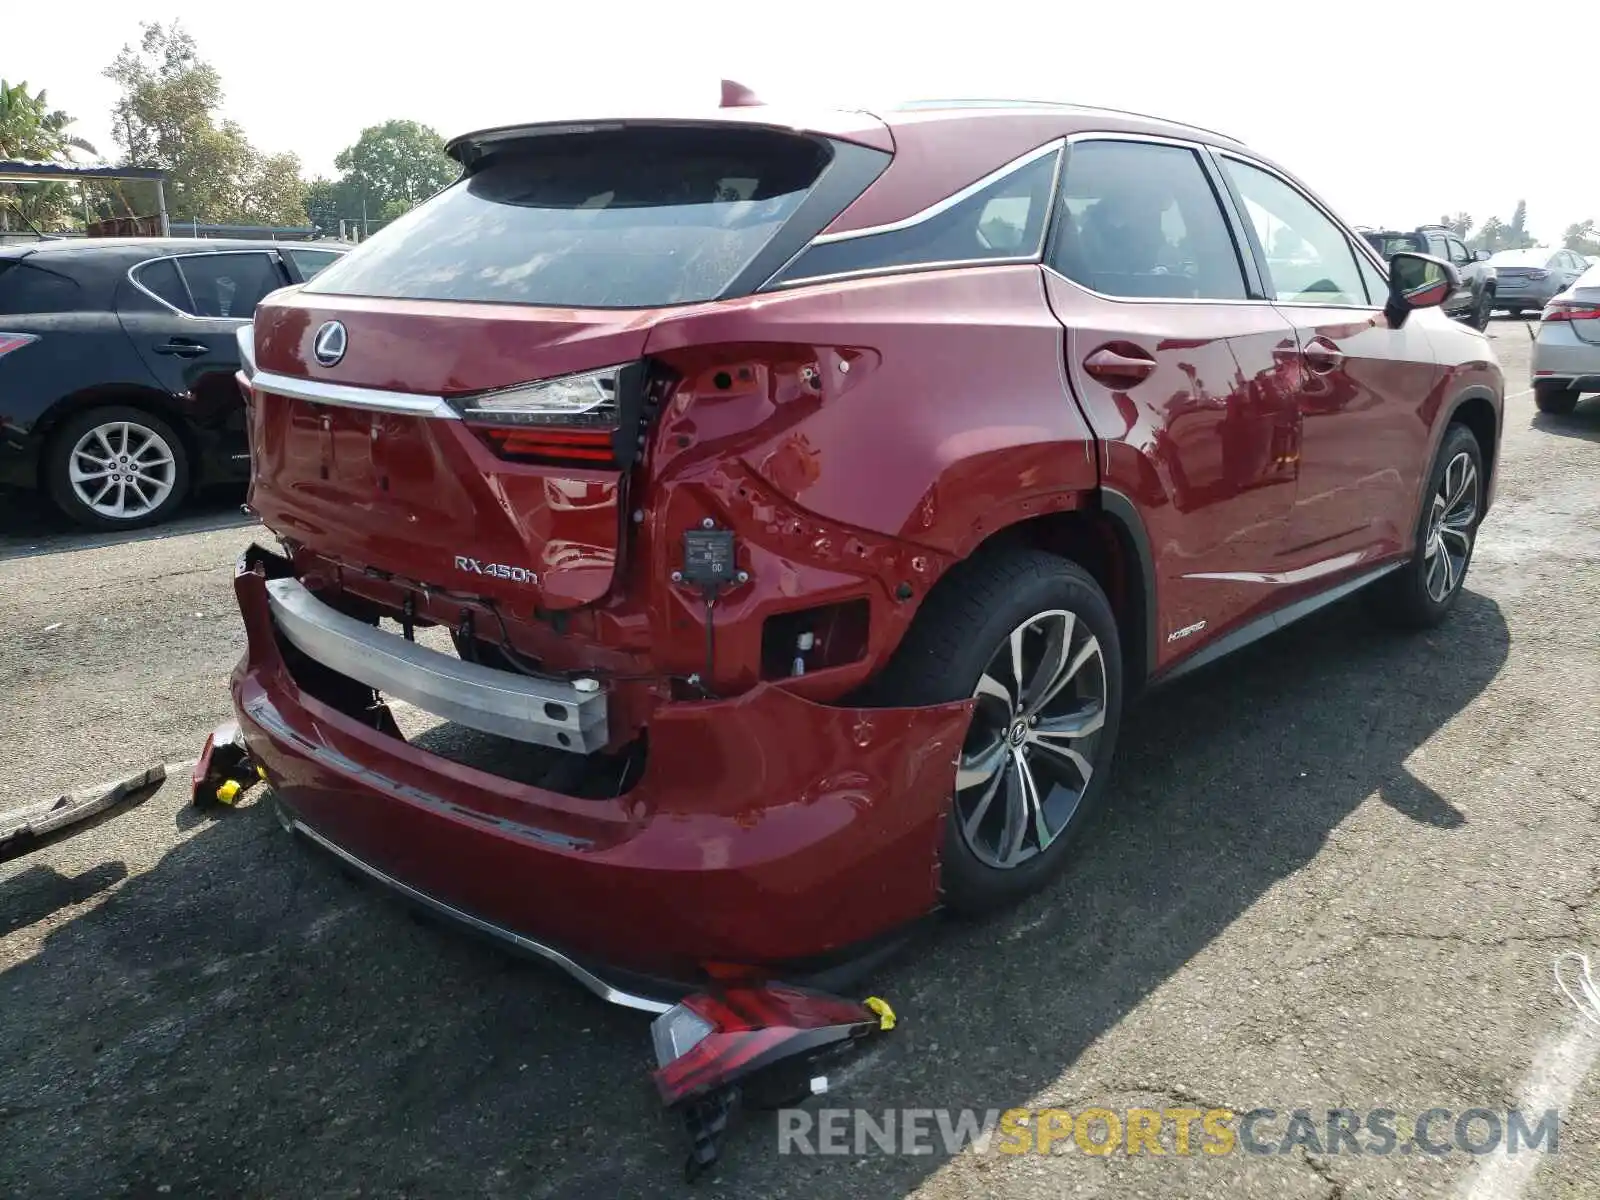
(1481, 256)
(1418, 281)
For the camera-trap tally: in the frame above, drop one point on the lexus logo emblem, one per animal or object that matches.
(329, 346)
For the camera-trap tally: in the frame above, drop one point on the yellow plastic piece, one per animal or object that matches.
(261, 772)
(229, 791)
(880, 1006)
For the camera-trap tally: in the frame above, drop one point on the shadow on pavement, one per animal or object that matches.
(241, 1020)
(1583, 422)
(31, 526)
(41, 890)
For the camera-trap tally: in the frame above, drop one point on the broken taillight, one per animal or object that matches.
(591, 418)
(714, 1048)
(712, 1039)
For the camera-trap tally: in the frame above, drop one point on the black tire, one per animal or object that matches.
(963, 624)
(1404, 597)
(57, 467)
(1555, 399)
(1515, 312)
(1482, 311)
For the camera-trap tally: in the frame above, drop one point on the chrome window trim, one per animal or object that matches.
(933, 210)
(1089, 291)
(341, 395)
(902, 269)
(189, 316)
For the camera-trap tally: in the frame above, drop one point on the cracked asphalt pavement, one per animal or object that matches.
(1335, 872)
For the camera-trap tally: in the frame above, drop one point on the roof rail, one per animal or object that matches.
(968, 102)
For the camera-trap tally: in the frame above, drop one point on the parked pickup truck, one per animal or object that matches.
(1474, 299)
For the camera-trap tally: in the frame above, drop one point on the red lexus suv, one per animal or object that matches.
(805, 495)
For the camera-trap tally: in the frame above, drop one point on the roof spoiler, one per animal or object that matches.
(736, 95)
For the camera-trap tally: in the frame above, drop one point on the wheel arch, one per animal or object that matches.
(1475, 408)
(129, 395)
(1106, 537)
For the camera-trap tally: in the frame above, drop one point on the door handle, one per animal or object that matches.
(181, 348)
(1322, 356)
(1115, 368)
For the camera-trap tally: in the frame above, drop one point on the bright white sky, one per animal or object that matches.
(1390, 110)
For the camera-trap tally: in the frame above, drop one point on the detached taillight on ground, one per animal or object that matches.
(588, 419)
(15, 341)
(712, 1046)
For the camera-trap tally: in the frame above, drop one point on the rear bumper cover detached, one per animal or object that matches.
(766, 830)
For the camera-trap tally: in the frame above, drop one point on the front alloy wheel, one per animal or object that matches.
(1027, 763)
(1421, 592)
(1453, 518)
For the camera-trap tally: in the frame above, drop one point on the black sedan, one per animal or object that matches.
(117, 358)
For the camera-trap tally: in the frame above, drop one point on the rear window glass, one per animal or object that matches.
(26, 289)
(312, 263)
(160, 279)
(1390, 244)
(1000, 222)
(616, 219)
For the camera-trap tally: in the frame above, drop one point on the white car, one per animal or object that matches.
(1566, 354)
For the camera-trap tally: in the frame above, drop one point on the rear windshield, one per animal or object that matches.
(1520, 258)
(1390, 244)
(631, 218)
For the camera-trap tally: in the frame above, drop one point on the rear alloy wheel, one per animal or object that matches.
(117, 468)
(1028, 757)
(1423, 591)
(1555, 399)
(1030, 638)
(1482, 311)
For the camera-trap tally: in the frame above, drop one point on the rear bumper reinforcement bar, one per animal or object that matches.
(545, 712)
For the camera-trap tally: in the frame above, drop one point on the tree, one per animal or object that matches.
(33, 131)
(391, 168)
(1517, 232)
(1460, 224)
(272, 192)
(1583, 237)
(322, 204)
(1491, 236)
(167, 118)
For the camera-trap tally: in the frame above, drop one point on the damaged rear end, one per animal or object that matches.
(534, 416)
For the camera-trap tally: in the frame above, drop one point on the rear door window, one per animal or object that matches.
(229, 285)
(627, 218)
(1140, 219)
